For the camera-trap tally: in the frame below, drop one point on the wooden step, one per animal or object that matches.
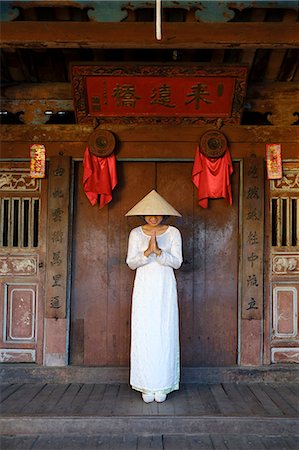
(27, 425)
(30, 373)
(75, 408)
(154, 442)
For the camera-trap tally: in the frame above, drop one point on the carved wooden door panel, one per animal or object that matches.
(285, 265)
(207, 281)
(22, 253)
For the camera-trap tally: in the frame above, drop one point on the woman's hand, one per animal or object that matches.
(153, 246)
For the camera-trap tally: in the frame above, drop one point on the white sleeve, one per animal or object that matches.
(174, 258)
(135, 256)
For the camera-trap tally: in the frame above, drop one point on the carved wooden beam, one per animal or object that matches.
(143, 136)
(142, 35)
(279, 100)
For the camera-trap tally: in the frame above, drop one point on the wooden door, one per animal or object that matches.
(22, 268)
(207, 281)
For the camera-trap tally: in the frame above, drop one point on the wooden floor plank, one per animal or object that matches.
(294, 387)
(252, 402)
(130, 401)
(239, 441)
(208, 400)
(278, 399)
(237, 399)
(292, 441)
(171, 403)
(255, 443)
(37, 404)
(265, 400)
(21, 397)
(190, 402)
(9, 391)
(225, 405)
(19, 443)
(288, 395)
(150, 443)
(150, 409)
(119, 399)
(4, 386)
(188, 442)
(81, 398)
(275, 443)
(93, 405)
(108, 403)
(49, 407)
(219, 442)
(63, 404)
(85, 442)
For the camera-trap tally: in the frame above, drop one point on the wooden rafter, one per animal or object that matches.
(142, 35)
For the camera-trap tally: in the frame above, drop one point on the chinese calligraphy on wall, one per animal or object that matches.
(58, 236)
(253, 220)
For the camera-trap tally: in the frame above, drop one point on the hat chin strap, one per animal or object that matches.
(158, 19)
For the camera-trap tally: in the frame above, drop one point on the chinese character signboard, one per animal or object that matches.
(167, 93)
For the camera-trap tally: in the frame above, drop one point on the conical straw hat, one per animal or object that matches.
(153, 205)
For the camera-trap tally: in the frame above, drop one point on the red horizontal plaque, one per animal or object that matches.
(133, 93)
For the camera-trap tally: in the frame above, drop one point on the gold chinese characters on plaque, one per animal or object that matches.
(37, 161)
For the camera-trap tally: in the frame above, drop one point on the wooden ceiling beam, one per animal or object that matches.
(142, 35)
(146, 134)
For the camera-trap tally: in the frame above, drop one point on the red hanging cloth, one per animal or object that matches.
(212, 177)
(99, 177)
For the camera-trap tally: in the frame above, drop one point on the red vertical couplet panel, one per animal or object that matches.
(253, 236)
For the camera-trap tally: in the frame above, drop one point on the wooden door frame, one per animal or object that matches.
(241, 349)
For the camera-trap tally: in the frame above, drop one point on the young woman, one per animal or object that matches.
(154, 250)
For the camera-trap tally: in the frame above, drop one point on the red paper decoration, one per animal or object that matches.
(38, 161)
(274, 163)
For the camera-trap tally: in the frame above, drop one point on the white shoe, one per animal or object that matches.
(148, 398)
(159, 397)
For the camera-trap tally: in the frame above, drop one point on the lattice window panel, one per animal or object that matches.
(285, 208)
(19, 225)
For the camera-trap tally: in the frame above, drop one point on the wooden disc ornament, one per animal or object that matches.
(213, 144)
(101, 143)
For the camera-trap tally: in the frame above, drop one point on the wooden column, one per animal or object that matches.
(252, 261)
(57, 253)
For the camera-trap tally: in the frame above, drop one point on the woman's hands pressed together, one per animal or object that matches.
(153, 246)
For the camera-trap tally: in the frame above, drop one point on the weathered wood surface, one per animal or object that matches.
(211, 441)
(152, 133)
(208, 416)
(144, 150)
(145, 141)
(193, 399)
(28, 373)
(154, 442)
(142, 35)
(205, 338)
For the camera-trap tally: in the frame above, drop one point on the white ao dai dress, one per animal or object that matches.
(155, 354)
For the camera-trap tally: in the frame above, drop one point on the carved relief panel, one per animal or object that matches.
(285, 265)
(22, 242)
